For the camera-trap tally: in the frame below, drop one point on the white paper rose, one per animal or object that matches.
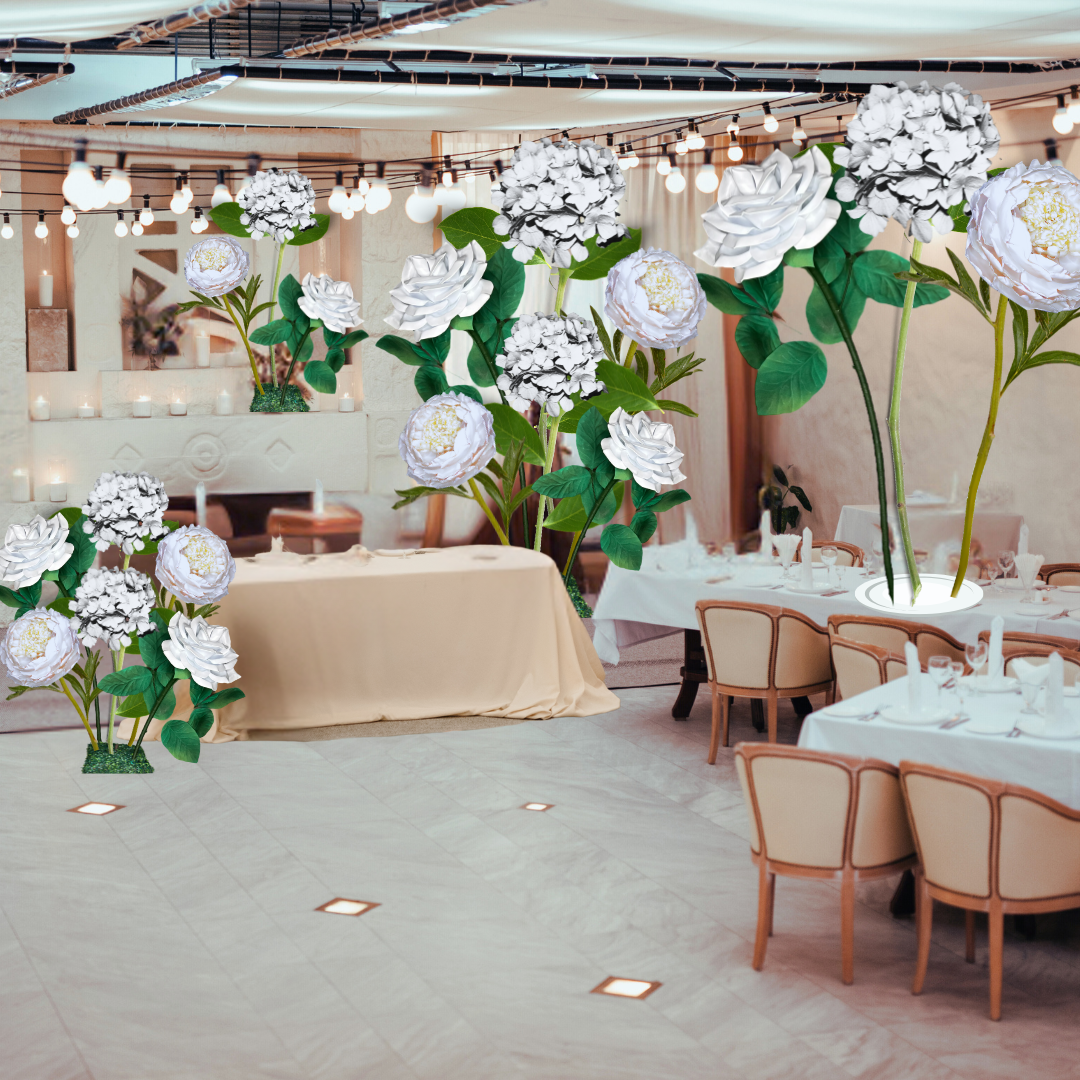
(555, 196)
(913, 152)
(201, 649)
(112, 606)
(447, 441)
(215, 265)
(277, 204)
(435, 289)
(763, 211)
(30, 550)
(39, 648)
(654, 299)
(332, 301)
(195, 565)
(645, 447)
(547, 358)
(125, 509)
(1024, 236)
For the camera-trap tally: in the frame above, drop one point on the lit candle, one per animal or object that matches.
(202, 350)
(86, 411)
(223, 406)
(20, 485)
(39, 408)
(346, 403)
(178, 408)
(141, 406)
(45, 289)
(200, 504)
(318, 501)
(57, 483)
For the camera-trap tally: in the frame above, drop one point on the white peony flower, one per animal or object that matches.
(1024, 236)
(111, 605)
(435, 289)
(195, 565)
(763, 211)
(201, 649)
(125, 509)
(30, 550)
(655, 299)
(329, 300)
(645, 447)
(555, 196)
(39, 648)
(215, 265)
(548, 358)
(277, 204)
(913, 152)
(447, 441)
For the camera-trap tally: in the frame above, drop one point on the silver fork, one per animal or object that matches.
(1015, 733)
(870, 716)
(954, 721)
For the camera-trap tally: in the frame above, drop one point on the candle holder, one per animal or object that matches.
(57, 469)
(346, 403)
(223, 406)
(45, 289)
(40, 408)
(86, 411)
(202, 350)
(20, 485)
(178, 401)
(141, 406)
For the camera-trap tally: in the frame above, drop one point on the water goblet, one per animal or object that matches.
(1005, 561)
(992, 572)
(940, 670)
(828, 559)
(959, 687)
(977, 655)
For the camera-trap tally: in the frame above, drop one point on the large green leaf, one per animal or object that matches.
(133, 706)
(600, 260)
(82, 558)
(766, 291)
(622, 546)
(271, 333)
(472, 223)
(848, 235)
(828, 257)
(625, 388)
(319, 375)
(756, 337)
(875, 275)
(789, 378)
(311, 233)
(570, 514)
(669, 499)
(468, 391)
(289, 292)
(592, 429)
(227, 218)
(202, 720)
(726, 297)
(224, 697)
(429, 381)
(820, 317)
(507, 276)
(644, 525)
(132, 680)
(435, 350)
(562, 483)
(511, 426)
(181, 740)
(404, 350)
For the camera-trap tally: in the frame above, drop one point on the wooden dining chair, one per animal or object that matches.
(824, 816)
(760, 651)
(984, 845)
(858, 667)
(1060, 573)
(894, 634)
(846, 554)
(1039, 654)
(1020, 637)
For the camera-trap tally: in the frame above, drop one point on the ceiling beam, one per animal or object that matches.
(180, 20)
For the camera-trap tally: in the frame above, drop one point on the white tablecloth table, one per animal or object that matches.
(1049, 766)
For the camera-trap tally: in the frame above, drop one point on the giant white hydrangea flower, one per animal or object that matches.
(30, 550)
(194, 564)
(203, 650)
(447, 440)
(125, 509)
(654, 299)
(435, 289)
(215, 265)
(555, 196)
(39, 648)
(547, 358)
(763, 211)
(331, 301)
(1024, 236)
(277, 204)
(913, 152)
(645, 447)
(112, 605)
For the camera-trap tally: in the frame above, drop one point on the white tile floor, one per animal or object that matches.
(177, 939)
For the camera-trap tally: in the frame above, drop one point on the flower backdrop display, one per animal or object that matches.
(59, 646)
(556, 372)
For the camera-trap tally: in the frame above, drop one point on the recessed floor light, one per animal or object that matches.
(98, 809)
(340, 906)
(537, 806)
(628, 988)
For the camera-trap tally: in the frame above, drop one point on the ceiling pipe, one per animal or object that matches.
(134, 101)
(25, 80)
(180, 20)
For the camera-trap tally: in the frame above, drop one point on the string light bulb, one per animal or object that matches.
(146, 215)
(1062, 122)
(178, 204)
(733, 126)
(680, 143)
(118, 186)
(73, 230)
(798, 136)
(361, 183)
(339, 197)
(348, 213)
(734, 150)
(663, 163)
(78, 185)
(675, 181)
(695, 140)
(1073, 108)
(41, 230)
(470, 176)
(706, 179)
(198, 222)
(379, 197)
(635, 161)
(186, 191)
(356, 197)
(120, 228)
(421, 206)
(771, 124)
(101, 196)
(6, 231)
(67, 215)
(1051, 152)
(136, 229)
(624, 157)
(221, 191)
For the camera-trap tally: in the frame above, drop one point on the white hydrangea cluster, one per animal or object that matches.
(555, 196)
(277, 204)
(913, 152)
(125, 509)
(547, 358)
(111, 605)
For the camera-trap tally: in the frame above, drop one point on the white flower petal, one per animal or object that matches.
(30, 550)
(447, 440)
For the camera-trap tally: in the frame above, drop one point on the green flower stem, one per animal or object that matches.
(97, 707)
(875, 434)
(894, 432)
(157, 705)
(292, 364)
(549, 437)
(579, 537)
(247, 344)
(487, 510)
(560, 292)
(270, 311)
(630, 354)
(984, 446)
(82, 716)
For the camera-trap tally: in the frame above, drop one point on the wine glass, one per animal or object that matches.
(1005, 561)
(1029, 690)
(940, 670)
(958, 685)
(992, 572)
(977, 655)
(828, 559)
(729, 553)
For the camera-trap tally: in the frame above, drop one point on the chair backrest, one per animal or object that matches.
(739, 641)
(846, 554)
(858, 667)
(1019, 637)
(822, 811)
(933, 642)
(1039, 654)
(889, 634)
(802, 652)
(1061, 573)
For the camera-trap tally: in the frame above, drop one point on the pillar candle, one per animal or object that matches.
(86, 411)
(202, 350)
(318, 500)
(39, 408)
(45, 290)
(178, 408)
(223, 405)
(140, 406)
(807, 581)
(346, 403)
(1022, 543)
(200, 504)
(766, 534)
(20, 485)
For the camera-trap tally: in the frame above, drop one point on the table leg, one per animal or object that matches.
(693, 673)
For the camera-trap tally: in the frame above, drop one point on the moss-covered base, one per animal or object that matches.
(123, 759)
(270, 401)
(578, 600)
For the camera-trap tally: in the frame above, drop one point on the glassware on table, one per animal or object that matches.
(958, 686)
(1029, 691)
(1028, 577)
(992, 572)
(1005, 561)
(940, 670)
(828, 559)
(977, 655)
(729, 553)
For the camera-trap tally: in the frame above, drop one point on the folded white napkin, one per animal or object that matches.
(995, 666)
(807, 579)
(1027, 566)
(914, 679)
(1055, 689)
(766, 535)
(786, 545)
(1022, 543)
(1027, 672)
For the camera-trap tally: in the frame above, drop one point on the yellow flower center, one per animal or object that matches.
(34, 639)
(211, 258)
(1052, 221)
(440, 429)
(201, 557)
(662, 288)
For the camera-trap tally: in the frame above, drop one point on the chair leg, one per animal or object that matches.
(997, 946)
(715, 739)
(969, 945)
(772, 900)
(830, 694)
(762, 938)
(924, 917)
(770, 706)
(725, 714)
(847, 928)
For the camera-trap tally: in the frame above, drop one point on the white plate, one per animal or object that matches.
(981, 683)
(898, 714)
(821, 587)
(1075, 614)
(990, 725)
(847, 710)
(1035, 726)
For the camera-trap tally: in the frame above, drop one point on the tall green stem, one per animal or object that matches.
(560, 292)
(270, 310)
(487, 510)
(894, 431)
(875, 434)
(82, 716)
(292, 364)
(984, 446)
(247, 345)
(157, 705)
(549, 437)
(579, 537)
